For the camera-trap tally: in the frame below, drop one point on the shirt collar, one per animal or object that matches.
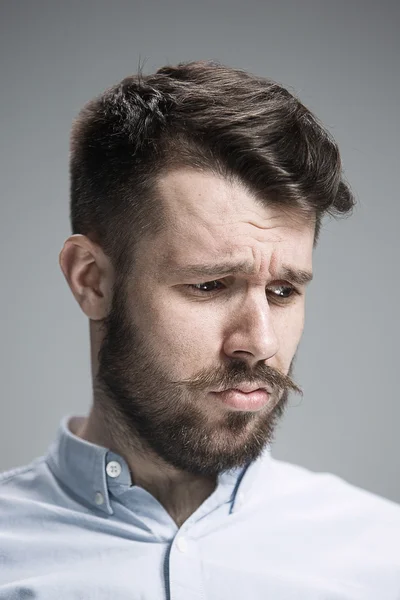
(85, 469)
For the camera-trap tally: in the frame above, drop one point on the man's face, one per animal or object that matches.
(185, 327)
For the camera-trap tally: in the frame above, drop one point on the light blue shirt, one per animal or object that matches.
(73, 527)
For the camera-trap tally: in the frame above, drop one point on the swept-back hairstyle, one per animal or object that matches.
(207, 116)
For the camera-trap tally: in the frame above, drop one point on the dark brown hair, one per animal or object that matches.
(207, 116)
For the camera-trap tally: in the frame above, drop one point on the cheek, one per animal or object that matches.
(289, 329)
(185, 338)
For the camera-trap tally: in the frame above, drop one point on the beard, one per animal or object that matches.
(177, 421)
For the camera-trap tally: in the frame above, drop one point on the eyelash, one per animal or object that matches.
(295, 291)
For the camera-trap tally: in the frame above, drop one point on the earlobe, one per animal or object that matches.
(86, 270)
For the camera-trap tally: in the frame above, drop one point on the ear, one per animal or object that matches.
(89, 274)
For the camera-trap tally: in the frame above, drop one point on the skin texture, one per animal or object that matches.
(162, 341)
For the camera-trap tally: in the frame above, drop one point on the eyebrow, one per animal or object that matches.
(297, 276)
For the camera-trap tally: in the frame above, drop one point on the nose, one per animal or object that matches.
(250, 333)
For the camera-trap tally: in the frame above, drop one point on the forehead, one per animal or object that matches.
(210, 218)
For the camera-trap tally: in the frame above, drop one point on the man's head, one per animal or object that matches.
(198, 194)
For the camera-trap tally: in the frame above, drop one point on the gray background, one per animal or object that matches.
(342, 58)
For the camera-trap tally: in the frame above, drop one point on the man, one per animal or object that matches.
(197, 195)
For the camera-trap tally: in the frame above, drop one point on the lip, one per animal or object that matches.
(246, 388)
(236, 399)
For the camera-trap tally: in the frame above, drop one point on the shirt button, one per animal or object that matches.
(240, 497)
(113, 468)
(181, 544)
(99, 498)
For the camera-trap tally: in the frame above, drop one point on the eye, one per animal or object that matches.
(206, 287)
(283, 293)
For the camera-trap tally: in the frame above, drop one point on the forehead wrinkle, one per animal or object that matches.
(273, 263)
(257, 260)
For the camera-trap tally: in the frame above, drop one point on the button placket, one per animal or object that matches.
(185, 569)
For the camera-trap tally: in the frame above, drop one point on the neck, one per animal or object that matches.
(180, 493)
